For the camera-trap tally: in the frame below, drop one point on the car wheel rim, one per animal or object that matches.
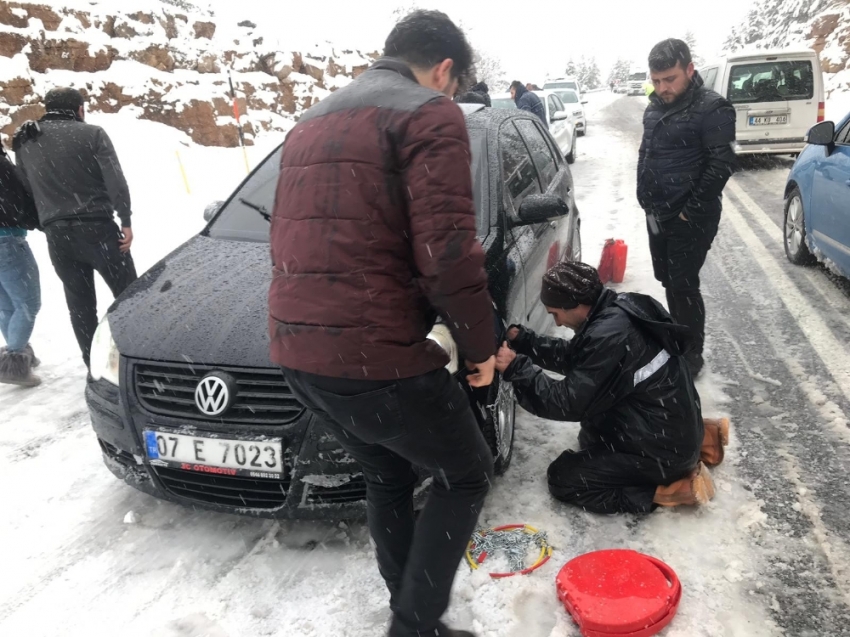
(506, 414)
(794, 225)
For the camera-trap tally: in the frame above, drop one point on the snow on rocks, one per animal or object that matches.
(169, 60)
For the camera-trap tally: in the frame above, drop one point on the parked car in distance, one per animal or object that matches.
(573, 102)
(778, 97)
(817, 200)
(563, 82)
(561, 124)
(638, 80)
(184, 400)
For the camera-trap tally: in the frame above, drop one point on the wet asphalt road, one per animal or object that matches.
(778, 339)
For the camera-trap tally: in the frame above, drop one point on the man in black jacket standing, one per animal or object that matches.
(643, 441)
(73, 172)
(525, 100)
(685, 160)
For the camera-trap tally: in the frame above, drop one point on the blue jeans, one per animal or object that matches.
(20, 292)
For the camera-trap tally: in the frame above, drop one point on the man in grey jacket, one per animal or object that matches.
(76, 180)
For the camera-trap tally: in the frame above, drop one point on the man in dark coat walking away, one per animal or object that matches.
(73, 172)
(643, 441)
(527, 101)
(685, 160)
(372, 237)
(20, 291)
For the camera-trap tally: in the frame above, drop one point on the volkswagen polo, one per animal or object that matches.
(183, 398)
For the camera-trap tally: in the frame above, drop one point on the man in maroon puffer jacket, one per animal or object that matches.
(373, 236)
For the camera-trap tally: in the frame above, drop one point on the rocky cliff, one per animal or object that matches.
(823, 25)
(167, 63)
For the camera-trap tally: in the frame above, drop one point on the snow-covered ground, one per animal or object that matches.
(77, 564)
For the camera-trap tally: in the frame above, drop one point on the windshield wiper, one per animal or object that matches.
(256, 207)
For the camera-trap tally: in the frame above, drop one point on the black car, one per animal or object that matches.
(184, 400)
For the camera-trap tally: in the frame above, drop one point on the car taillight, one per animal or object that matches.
(821, 111)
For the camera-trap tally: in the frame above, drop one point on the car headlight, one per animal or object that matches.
(443, 337)
(104, 358)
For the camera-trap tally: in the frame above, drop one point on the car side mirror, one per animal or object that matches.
(558, 116)
(212, 210)
(541, 208)
(822, 134)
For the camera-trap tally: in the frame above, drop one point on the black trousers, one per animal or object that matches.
(679, 249)
(601, 480)
(76, 250)
(388, 427)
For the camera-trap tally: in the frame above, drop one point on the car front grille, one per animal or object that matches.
(263, 396)
(353, 491)
(252, 493)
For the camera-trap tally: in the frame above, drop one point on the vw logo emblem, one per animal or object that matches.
(214, 394)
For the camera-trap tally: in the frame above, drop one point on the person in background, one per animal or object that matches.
(481, 88)
(20, 292)
(527, 101)
(73, 172)
(372, 237)
(643, 441)
(684, 162)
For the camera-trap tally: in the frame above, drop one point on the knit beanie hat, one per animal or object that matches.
(570, 284)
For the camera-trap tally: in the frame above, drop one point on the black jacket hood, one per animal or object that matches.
(651, 318)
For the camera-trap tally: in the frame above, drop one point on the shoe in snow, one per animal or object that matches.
(716, 438)
(16, 369)
(35, 362)
(695, 490)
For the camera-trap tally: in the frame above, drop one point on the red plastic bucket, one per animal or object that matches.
(621, 251)
(619, 592)
(606, 262)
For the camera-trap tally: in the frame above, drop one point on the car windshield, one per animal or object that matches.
(554, 85)
(567, 97)
(771, 81)
(638, 76)
(503, 102)
(242, 219)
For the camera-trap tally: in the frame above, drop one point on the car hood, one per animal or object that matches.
(205, 303)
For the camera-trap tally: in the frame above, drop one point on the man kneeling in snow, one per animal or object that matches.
(643, 440)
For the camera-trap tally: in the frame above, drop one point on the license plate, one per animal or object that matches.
(222, 456)
(773, 120)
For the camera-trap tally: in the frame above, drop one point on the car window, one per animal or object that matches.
(553, 106)
(518, 171)
(771, 81)
(540, 152)
(240, 218)
(554, 85)
(480, 180)
(843, 136)
(709, 76)
(567, 97)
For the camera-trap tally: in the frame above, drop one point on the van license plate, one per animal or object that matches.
(252, 458)
(773, 120)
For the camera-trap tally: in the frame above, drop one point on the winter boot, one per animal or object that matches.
(716, 438)
(35, 362)
(16, 369)
(696, 489)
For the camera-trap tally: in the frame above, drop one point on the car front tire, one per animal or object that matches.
(795, 230)
(499, 424)
(571, 158)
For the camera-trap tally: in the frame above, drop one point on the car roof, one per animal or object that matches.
(493, 117)
(469, 109)
(561, 79)
(750, 54)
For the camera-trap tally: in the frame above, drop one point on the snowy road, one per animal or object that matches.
(770, 556)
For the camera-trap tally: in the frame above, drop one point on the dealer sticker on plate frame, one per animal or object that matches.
(222, 456)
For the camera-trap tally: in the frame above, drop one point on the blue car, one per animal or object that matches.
(817, 200)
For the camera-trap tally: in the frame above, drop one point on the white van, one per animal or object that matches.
(778, 96)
